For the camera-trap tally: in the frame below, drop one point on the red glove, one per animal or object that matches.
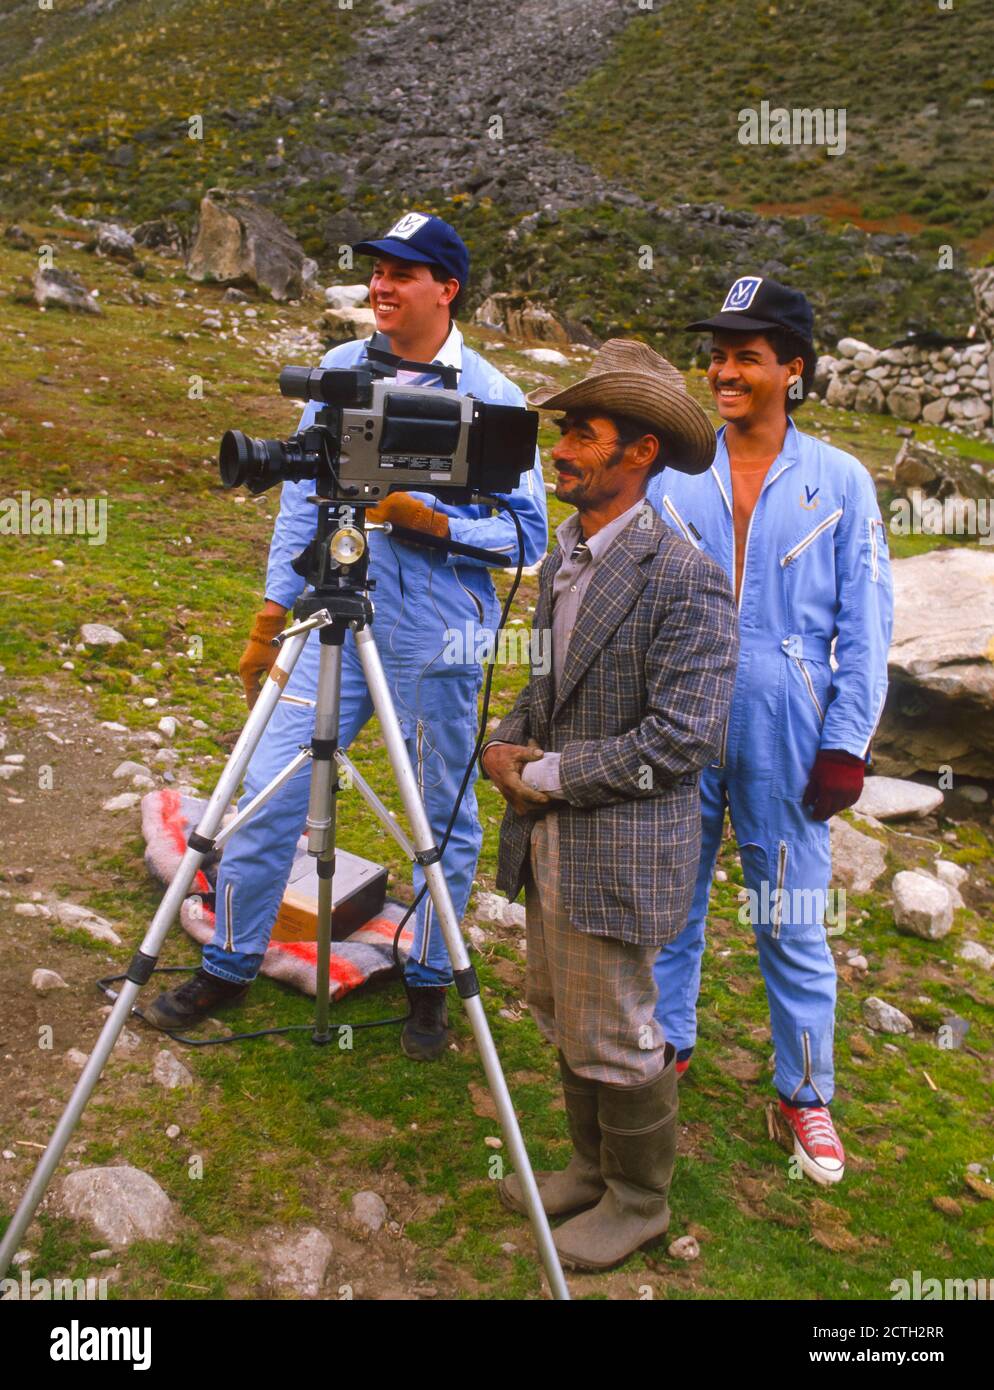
(836, 782)
(405, 510)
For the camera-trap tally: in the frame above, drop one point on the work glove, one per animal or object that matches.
(405, 510)
(259, 656)
(836, 782)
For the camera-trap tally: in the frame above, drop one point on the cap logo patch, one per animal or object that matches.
(742, 293)
(410, 223)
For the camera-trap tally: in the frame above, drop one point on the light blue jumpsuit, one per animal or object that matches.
(816, 569)
(419, 595)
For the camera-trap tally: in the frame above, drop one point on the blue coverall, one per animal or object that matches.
(816, 569)
(419, 595)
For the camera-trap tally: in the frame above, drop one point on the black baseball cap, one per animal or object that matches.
(418, 236)
(754, 303)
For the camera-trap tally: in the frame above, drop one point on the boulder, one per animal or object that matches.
(940, 705)
(858, 860)
(60, 289)
(112, 240)
(527, 318)
(170, 1072)
(892, 798)
(120, 1205)
(976, 954)
(238, 240)
(922, 905)
(869, 396)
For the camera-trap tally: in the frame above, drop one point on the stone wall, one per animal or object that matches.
(939, 386)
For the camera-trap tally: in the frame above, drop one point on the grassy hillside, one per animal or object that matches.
(96, 101)
(661, 114)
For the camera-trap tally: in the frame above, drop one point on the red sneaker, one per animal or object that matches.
(681, 1067)
(816, 1143)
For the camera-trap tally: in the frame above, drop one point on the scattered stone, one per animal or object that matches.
(341, 324)
(477, 936)
(893, 798)
(509, 1248)
(551, 356)
(978, 795)
(369, 1209)
(684, 1248)
(922, 905)
(173, 1132)
(129, 769)
(953, 874)
(120, 1204)
(101, 635)
(492, 1142)
(73, 915)
(345, 296)
(167, 725)
(124, 802)
(858, 963)
(44, 980)
(885, 1018)
(298, 1261)
(127, 1041)
(77, 1059)
(101, 1254)
(858, 860)
(31, 910)
(170, 1072)
(975, 954)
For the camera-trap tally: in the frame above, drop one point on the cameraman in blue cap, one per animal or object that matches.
(420, 270)
(796, 526)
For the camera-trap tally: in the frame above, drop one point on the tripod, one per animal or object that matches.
(336, 564)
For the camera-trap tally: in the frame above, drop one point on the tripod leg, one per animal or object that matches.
(321, 812)
(465, 975)
(144, 959)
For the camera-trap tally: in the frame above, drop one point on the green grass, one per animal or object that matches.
(661, 114)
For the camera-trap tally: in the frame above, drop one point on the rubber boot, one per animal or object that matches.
(638, 1148)
(579, 1184)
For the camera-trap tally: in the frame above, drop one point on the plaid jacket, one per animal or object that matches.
(644, 694)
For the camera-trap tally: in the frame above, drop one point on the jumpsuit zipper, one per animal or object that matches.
(874, 562)
(229, 940)
(812, 535)
(781, 875)
(810, 684)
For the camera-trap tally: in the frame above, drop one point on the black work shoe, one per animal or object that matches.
(193, 1001)
(424, 1038)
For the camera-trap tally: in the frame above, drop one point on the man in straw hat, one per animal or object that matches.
(795, 524)
(599, 761)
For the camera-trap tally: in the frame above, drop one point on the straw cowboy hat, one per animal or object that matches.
(628, 378)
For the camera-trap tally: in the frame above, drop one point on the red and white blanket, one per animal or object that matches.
(167, 819)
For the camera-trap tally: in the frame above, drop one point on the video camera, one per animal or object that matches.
(373, 436)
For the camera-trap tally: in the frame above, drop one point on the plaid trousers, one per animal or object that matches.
(593, 997)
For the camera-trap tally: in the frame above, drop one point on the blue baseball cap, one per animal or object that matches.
(420, 237)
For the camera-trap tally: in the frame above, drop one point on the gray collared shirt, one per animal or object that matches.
(580, 559)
